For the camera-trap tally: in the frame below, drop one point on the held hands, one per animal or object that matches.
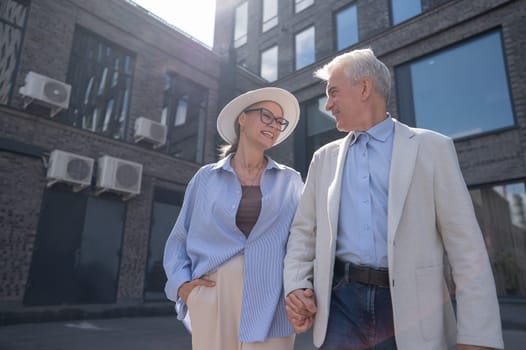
(301, 308)
(186, 288)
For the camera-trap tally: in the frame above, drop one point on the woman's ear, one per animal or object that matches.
(242, 118)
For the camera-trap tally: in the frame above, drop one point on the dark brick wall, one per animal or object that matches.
(22, 184)
(46, 49)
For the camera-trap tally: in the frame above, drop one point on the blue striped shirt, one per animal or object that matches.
(362, 226)
(205, 236)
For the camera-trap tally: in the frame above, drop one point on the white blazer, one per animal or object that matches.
(430, 214)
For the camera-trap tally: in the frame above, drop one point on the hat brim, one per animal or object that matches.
(228, 115)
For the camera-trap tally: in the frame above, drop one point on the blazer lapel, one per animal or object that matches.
(334, 190)
(402, 167)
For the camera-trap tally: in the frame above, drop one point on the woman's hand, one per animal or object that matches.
(186, 288)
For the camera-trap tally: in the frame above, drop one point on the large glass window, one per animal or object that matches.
(305, 48)
(300, 5)
(270, 14)
(166, 207)
(13, 15)
(316, 128)
(269, 64)
(454, 91)
(100, 74)
(346, 27)
(184, 113)
(404, 9)
(501, 213)
(241, 25)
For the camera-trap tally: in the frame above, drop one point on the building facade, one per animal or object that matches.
(458, 68)
(93, 171)
(106, 112)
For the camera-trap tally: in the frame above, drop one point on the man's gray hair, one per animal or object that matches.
(357, 64)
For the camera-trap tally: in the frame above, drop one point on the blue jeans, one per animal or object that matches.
(361, 317)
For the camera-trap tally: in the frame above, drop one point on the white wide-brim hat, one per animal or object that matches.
(228, 115)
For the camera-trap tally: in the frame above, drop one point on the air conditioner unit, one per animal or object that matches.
(69, 168)
(150, 131)
(118, 175)
(45, 91)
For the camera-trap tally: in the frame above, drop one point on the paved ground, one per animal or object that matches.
(144, 333)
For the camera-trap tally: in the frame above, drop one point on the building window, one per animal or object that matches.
(241, 25)
(101, 74)
(184, 113)
(402, 10)
(300, 5)
(316, 128)
(455, 92)
(304, 44)
(346, 27)
(166, 207)
(13, 16)
(501, 213)
(84, 267)
(270, 14)
(269, 64)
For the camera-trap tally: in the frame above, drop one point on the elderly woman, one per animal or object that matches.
(224, 256)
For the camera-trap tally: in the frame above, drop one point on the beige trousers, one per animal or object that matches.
(215, 313)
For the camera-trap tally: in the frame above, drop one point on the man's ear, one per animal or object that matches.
(366, 85)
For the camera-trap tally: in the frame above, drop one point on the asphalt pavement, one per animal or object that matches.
(137, 333)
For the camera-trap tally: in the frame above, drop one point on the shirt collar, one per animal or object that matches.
(380, 132)
(225, 164)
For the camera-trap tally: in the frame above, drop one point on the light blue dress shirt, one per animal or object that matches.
(362, 223)
(205, 236)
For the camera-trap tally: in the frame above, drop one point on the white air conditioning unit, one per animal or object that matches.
(118, 175)
(69, 168)
(150, 131)
(45, 91)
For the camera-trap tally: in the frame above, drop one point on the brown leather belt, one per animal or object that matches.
(361, 274)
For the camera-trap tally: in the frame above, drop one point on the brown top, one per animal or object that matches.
(249, 208)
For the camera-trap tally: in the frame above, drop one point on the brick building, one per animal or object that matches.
(88, 196)
(458, 66)
(69, 251)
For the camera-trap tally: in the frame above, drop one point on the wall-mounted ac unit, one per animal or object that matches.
(118, 175)
(69, 168)
(45, 91)
(150, 131)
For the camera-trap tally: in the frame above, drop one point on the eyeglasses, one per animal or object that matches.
(268, 118)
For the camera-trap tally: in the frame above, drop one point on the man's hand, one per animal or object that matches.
(301, 308)
(186, 288)
(472, 347)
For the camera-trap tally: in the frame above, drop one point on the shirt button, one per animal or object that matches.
(364, 177)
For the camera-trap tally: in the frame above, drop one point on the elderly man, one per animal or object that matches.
(380, 210)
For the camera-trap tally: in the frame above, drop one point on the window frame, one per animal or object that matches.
(336, 28)
(392, 9)
(265, 21)
(299, 2)
(405, 94)
(268, 49)
(305, 29)
(242, 39)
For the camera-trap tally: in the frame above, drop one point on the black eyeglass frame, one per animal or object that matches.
(264, 118)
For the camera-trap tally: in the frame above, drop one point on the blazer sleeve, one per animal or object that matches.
(298, 265)
(477, 305)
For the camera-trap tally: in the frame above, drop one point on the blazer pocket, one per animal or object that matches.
(431, 300)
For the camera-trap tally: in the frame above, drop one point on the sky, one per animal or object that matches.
(195, 17)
